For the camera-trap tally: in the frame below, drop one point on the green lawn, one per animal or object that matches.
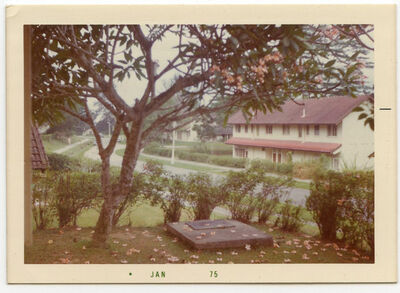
(51, 144)
(79, 150)
(188, 166)
(143, 214)
(145, 245)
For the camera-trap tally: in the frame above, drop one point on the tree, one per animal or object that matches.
(254, 67)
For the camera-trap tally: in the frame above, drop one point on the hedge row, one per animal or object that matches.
(269, 166)
(225, 161)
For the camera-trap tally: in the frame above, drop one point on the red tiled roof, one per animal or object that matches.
(38, 155)
(319, 147)
(330, 110)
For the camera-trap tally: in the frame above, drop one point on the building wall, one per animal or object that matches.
(358, 142)
(277, 133)
(356, 139)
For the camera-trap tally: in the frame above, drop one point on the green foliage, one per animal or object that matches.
(168, 191)
(137, 191)
(226, 161)
(203, 195)
(239, 194)
(60, 162)
(344, 201)
(175, 199)
(272, 191)
(62, 195)
(268, 166)
(289, 217)
(42, 198)
(308, 169)
(75, 191)
(212, 148)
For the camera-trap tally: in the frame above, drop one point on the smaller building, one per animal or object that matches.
(223, 133)
(186, 133)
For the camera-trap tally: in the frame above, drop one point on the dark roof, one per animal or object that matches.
(219, 130)
(329, 110)
(286, 144)
(38, 155)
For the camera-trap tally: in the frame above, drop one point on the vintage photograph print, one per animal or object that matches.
(200, 144)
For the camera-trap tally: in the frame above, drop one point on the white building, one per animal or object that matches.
(186, 133)
(320, 126)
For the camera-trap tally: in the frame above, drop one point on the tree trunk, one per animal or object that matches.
(115, 194)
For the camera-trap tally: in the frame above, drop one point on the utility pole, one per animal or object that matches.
(173, 143)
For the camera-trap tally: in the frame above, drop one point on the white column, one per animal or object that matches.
(173, 143)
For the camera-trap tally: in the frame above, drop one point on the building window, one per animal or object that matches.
(238, 128)
(277, 157)
(286, 129)
(246, 128)
(252, 126)
(307, 129)
(257, 130)
(316, 129)
(300, 129)
(268, 129)
(242, 153)
(332, 130)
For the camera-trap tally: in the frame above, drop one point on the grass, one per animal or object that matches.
(51, 144)
(79, 150)
(143, 214)
(145, 245)
(177, 164)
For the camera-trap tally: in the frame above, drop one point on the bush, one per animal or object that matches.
(239, 194)
(227, 161)
(137, 190)
(212, 148)
(58, 162)
(75, 191)
(272, 191)
(269, 166)
(42, 198)
(169, 191)
(189, 156)
(289, 217)
(175, 198)
(262, 165)
(285, 168)
(309, 169)
(344, 201)
(203, 195)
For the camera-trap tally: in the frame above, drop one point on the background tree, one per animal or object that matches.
(254, 67)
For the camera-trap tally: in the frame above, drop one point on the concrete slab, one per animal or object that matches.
(219, 234)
